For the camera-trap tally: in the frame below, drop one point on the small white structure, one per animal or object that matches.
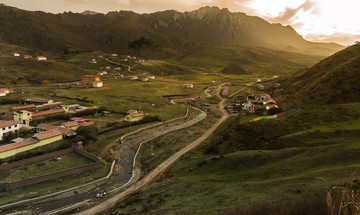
(189, 85)
(113, 55)
(133, 78)
(152, 77)
(97, 84)
(108, 67)
(102, 73)
(145, 79)
(8, 126)
(93, 61)
(15, 54)
(40, 58)
(4, 91)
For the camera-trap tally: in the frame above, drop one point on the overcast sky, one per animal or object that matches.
(317, 20)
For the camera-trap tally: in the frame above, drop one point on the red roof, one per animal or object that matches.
(48, 134)
(16, 145)
(87, 123)
(39, 100)
(51, 127)
(91, 76)
(23, 107)
(4, 124)
(47, 112)
(70, 124)
(79, 119)
(137, 115)
(225, 90)
(270, 101)
(132, 111)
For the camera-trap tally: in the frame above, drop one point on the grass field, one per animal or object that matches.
(63, 162)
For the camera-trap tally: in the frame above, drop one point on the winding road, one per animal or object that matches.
(111, 202)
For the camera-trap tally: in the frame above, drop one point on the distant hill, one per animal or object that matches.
(172, 31)
(156, 67)
(234, 68)
(334, 80)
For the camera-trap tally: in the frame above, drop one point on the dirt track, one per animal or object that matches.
(111, 202)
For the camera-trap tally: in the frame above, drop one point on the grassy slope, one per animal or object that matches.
(278, 159)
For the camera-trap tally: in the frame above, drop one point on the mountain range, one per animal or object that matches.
(171, 31)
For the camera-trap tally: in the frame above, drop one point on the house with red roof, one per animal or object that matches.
(38, 140)
(134, 115)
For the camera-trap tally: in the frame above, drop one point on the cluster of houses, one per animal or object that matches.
(20, 117)
(261, 104)
(45, 134)
(37, 58)
(91, 81)
(144, 78)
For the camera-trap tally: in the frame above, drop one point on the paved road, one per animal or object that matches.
(111, 202)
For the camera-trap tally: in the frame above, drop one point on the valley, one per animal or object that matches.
(199, 112)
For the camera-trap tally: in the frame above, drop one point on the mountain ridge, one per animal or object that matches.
(171, 29)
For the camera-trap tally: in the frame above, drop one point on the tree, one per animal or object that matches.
(89, 133)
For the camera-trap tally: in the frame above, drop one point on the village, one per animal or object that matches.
(59, 128)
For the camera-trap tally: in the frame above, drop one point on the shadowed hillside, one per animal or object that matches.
(234, 68)
(333, 80)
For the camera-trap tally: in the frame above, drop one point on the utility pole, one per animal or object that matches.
(152, 151)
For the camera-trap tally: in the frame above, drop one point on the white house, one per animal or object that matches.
(97, 84)
(8, 126)
(40, 58)
(189, 85)
(93, 61)
(15, 54)
(151, 77)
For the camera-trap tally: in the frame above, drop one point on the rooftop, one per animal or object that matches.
(47, 112)
(79, 119)
(137, 115)
(4, 124)
(23, 107)
(52, 127)
(16, 145)
(48, 134)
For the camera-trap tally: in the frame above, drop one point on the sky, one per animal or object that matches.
(316, 20)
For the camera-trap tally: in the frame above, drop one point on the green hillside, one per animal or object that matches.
(332, 81)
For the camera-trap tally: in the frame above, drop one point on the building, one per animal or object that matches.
(23, 117)
(263, 97)
(145, 79)
(15, 54)
(39, 101)
(93, 61)
(47, 113)
(40, 58)
(27, 57)
(225, 91)
(260, 87)
(97, 84)
(133, 117)
(2, 93)
(40, 139)
(92, 80)
(102, 73)
(71, 125)
(65, 131)
(189, 85)
(8, 126)
(30, 107)
(133, 78)
(79, 119)
(276, 84)
(152, 77)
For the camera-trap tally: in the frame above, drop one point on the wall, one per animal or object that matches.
(35, 159)
(10, 186)
(7, 130)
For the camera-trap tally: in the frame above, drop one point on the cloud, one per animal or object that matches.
(288, 16)
(341, 38)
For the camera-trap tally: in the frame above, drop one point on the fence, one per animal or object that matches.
(271, 116)
(10, 186)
